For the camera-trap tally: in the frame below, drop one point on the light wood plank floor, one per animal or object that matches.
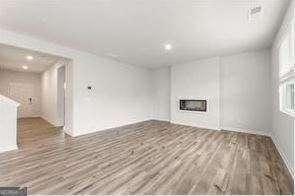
(151, 157)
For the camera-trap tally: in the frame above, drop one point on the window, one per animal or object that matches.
(287, 72)
(285, 56)
(288, 97)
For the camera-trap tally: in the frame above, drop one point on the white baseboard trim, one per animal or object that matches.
(55, 123)
(68, 133)
(283, 155)
(250, 131)
(8, 148)
(201, 127)
(259, 132)
(93, 130)
(47, 119)
(161, 120)
(29, 116)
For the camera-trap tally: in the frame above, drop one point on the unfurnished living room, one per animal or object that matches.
(147, 97)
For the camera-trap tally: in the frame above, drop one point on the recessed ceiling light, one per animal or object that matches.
(25, 67)
(30, 57)
(168, 46)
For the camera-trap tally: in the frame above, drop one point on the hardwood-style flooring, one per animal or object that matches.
(33, 130)
(151, 157)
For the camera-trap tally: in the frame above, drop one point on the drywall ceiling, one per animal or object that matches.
(135, 31)
(13, 58)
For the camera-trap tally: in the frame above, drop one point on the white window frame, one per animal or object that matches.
(288, 77)
(283, 98)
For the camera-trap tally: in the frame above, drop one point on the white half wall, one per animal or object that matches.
(28, 86)
(161, 98)
(245, 92)
(8, 124)
(283, 127)
(196, 80)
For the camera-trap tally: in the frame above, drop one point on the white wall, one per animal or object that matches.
(122, 94)
(237, 88)
(245, 92)
(283, 124)
(49, 95)
(92, 111)
(8, 77)
(8, 124)
(161, 98)
(196, 80)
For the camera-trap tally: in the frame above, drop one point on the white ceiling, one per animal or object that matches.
(135, 31)
(13, 58)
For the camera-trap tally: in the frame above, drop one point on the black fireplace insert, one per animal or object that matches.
(193, 105)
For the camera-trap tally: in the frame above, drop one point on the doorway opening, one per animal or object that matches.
(41, 83)
(61, 87)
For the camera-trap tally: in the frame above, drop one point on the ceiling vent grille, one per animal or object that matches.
(254, 13)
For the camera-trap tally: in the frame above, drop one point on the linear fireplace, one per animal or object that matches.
(193, 105)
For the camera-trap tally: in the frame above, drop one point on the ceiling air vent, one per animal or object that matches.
(254, 13)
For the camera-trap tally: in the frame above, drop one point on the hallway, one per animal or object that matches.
(37, 131)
